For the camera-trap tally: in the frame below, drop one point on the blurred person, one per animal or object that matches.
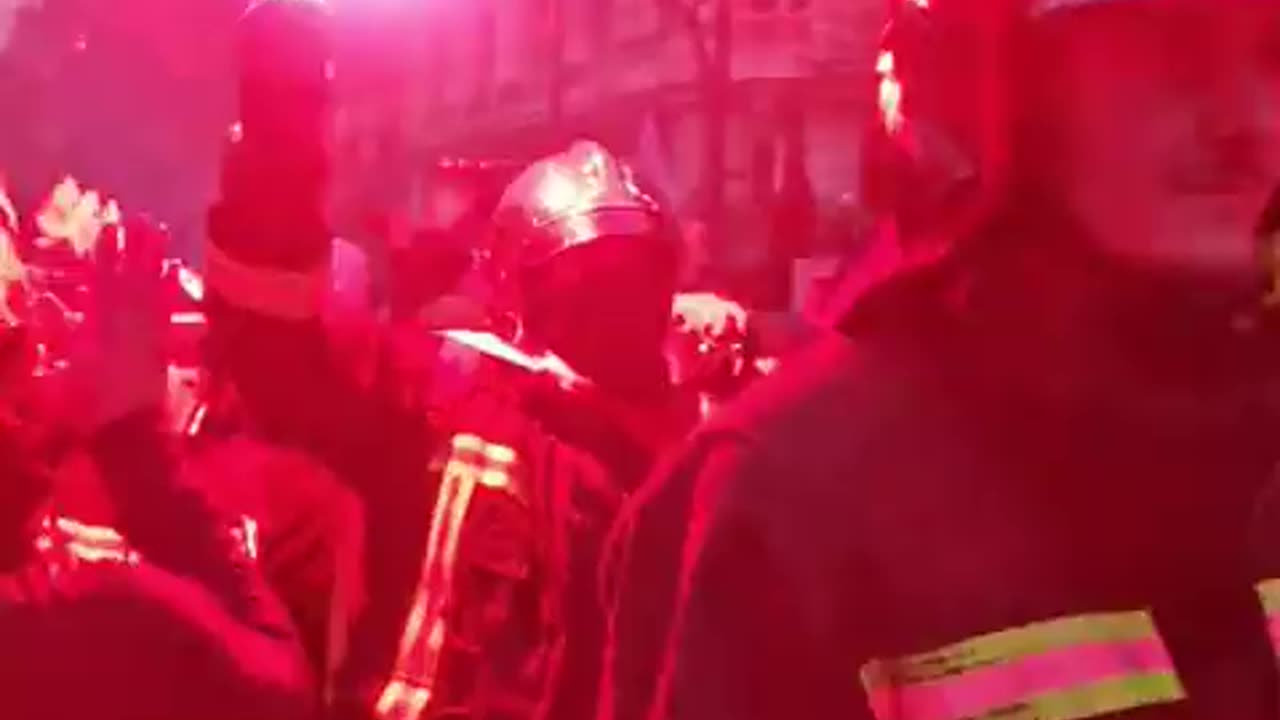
(432, 273)
(307, 525)
(791, 219)
(1022, 482)
(716, 352)
(163, 615)
(329, 385)
(305, 529)
(696, 256)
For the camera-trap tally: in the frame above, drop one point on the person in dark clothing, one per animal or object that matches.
(1021, 483)
(328, 385)
(164, 616)
(435, 260)
(305, 528)
(564, 419)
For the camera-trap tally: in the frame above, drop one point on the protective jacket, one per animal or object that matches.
(1020, 485)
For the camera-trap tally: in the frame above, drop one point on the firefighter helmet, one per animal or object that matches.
(580, 250)
(570, 200)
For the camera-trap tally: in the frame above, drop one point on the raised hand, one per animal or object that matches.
(117, 363)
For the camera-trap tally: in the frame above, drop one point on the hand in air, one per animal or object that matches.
(117, 363)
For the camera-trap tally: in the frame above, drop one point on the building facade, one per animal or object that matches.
(513, 79)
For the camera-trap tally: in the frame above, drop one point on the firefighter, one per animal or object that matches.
(309, 380)
(164, 615)
(1020, 484)
(307, 524)
(562, 421)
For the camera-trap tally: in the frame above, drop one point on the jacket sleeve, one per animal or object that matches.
(176, 527)
(638, 576)
(197, 596)
(378, 441)
(350, 408)
(751, 635)
(151, 643)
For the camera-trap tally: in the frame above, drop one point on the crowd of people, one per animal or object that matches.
(1028, 471)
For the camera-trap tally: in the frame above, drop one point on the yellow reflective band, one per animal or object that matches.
(473, 462)
(1103, 698)
(487, 463)
(499, 454)
(91, 535)
(280, 294)
(402, 701)
(1010, 644)
(1269, 591)
(88, 543)
(466, 442)
(1061, 669)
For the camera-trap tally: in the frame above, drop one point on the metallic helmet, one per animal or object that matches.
(570, 200)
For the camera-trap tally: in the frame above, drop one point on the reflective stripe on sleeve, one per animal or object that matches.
(473, 462)
(1269, 593)
(280, 294)
(1063, 669)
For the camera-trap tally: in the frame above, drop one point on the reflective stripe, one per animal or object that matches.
(1062, 669)
(95, 544)
(1269, 592)
(495, 347)
(91, 535)
(402, 701)
(472, 462)
(245, 533)
(280, 294)
(67, 543)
